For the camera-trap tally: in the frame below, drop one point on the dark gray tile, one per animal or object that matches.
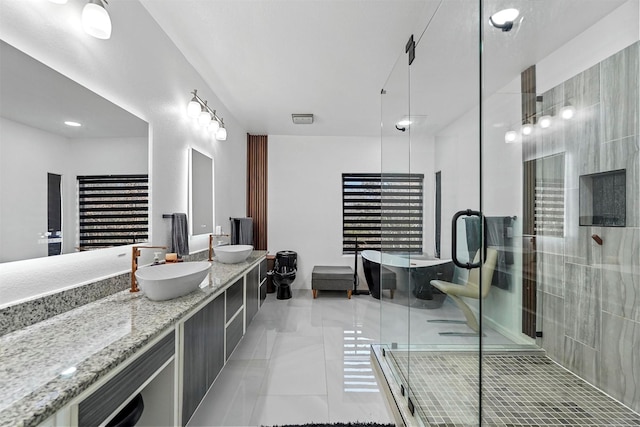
(550, 269)
(583, 90)
(625, 154)
(582, 304)
(552, 324)
(620, 94)
(581, 359)
(621, 272)
(619, 371)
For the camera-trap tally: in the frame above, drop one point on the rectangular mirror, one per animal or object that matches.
(201, 192)
(42, 161)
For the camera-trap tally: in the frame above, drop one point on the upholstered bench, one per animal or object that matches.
(332, 278)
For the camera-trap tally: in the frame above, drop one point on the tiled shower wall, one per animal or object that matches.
(589, 294)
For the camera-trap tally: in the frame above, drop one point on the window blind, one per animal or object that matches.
(382, 211)
(113, 210)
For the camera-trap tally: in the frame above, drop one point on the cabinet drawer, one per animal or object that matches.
(234, 333)
(95, 409)
(263, 270)
(235, 297)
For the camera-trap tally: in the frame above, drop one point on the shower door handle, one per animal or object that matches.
(454, 239)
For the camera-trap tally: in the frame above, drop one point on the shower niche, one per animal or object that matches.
(603, 199)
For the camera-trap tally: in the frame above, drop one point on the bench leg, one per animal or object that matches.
(349, 293)
(315, 293)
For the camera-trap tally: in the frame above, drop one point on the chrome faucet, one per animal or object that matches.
(135, 253)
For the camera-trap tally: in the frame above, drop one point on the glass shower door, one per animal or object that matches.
(395, 151)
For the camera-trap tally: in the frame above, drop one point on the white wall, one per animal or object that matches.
(27, 155)
(609, 35)
(142, 71)
(305, 196)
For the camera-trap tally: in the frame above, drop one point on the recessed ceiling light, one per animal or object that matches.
(72, 124)
(404, 122)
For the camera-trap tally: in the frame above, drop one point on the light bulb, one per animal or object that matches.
(568, 112)
(221, 134)
(545, 122)
(95, 20)
(504, 16)
(213, 126)
(193, 108)
(510, 137)
(204, 118)
(527, 129)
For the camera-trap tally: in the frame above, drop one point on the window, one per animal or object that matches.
(544, 192)
(382, 211)
(113, 210)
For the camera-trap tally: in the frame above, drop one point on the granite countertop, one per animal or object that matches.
(37, 375)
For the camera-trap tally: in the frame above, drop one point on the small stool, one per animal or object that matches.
(332, 278)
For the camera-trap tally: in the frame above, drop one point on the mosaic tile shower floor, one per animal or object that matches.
(518, 390)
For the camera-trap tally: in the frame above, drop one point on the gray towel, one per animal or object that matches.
(241, 231)
(179, 234)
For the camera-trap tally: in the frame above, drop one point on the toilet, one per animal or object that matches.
(284, 273)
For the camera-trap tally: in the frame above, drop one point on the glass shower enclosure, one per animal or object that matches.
(523, 134)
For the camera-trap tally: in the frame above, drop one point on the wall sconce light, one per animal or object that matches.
(95, 19)
(504, 19)
(545, 122)
(568, 112)
(206, 117)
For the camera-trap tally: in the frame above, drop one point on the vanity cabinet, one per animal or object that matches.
(203, 358)
(263, 280)
(103, 403)
(235, 315)
(253, 284)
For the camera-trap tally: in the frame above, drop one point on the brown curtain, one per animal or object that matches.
(257, 188)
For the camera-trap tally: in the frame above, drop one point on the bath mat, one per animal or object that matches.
(338, 425)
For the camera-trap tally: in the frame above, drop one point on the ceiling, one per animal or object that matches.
(267, 59)
(35, 95)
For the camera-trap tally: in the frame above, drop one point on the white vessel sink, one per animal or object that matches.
(232, 254)
(168, 281)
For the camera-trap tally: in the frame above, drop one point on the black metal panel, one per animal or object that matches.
(234, 298)
(103, 402)
(234, 334)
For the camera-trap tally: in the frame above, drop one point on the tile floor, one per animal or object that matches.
(518, 390)
(301, 361)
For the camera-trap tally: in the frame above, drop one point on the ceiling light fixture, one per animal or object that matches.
(72, 124)
(568, 112)
(545, 122)
(58, 1)
(510, 137)
(527, 129)
(198, 109)
(95, 19)
(504, 19)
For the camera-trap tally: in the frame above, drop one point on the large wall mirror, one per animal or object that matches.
(68, 187)
(201, 192)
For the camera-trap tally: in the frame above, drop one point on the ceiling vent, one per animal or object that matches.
(302, 119)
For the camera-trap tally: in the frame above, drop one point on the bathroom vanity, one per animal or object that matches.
(83, 366)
